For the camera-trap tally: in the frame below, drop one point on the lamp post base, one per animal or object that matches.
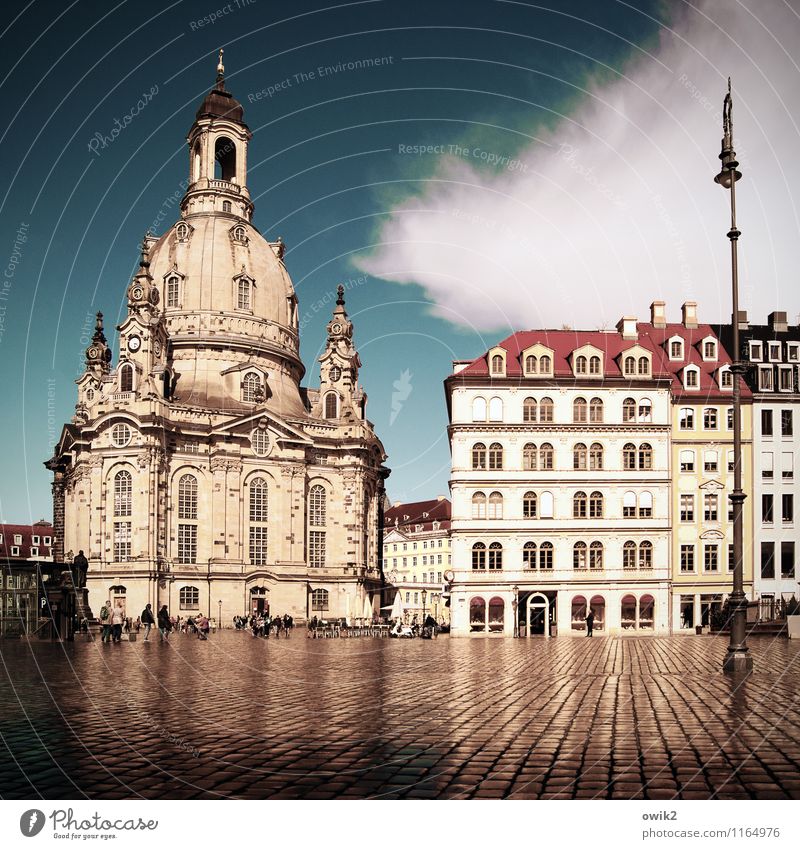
(738, 661)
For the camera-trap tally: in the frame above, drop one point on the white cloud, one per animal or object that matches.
(616, 206)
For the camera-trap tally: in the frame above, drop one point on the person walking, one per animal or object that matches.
(148, 620)
(164, 624)
(105, 622)
(202, 626)
(589, 622)
(117, 621)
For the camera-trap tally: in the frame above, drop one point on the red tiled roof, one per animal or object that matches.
(42, 529)
(419, 513)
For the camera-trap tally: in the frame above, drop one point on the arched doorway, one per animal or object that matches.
(477, 614)
(259, 601)
(537, 615)
(628, 613)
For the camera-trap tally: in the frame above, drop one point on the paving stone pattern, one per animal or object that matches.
(644, 718)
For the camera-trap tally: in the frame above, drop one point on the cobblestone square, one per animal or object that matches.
(644, 718)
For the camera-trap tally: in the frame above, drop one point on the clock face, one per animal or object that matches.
(136, 293)
(92, 353)
(337, 328)
(134, 343)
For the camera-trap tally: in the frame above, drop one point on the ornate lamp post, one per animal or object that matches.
(738, 657)
(515, 605)
(424, 599)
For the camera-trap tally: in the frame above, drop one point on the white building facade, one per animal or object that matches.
(198, 472)
(560, 486)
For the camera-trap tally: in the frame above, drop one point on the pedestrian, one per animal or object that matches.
(164, 624)
(117, 620)
(202, 626)
(148, 620)
(589, 622)
(105, 622)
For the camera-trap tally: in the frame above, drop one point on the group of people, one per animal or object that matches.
(113, 623)
(262, 623)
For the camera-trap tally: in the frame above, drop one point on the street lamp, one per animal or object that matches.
(219, 618)
(424, 599)
(738, 658)
(515, 605)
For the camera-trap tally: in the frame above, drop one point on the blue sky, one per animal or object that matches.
(335, 168)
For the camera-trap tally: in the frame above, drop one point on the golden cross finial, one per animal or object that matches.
(220, 66)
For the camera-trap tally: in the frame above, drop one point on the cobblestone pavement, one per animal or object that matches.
(643, 717)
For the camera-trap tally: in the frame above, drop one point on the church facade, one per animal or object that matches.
(198, 472)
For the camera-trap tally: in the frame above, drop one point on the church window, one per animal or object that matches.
(189, 598)
(316, 549)
(243, 294)
(331, 406)
(187, 497)
(258, 515)
(126, 378)
(259, 441)
(317, 517)
(319, 599)
(226, 206)
(90, 395)
(173, 292)
(120, 435)
(225, 160)
(251, 384)
(239, 234)
(182, 231)
(122, 541)
(187, 543)
(317, 506)
(335, 373)
(123, 493)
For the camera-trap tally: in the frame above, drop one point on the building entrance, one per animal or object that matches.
(537, 613)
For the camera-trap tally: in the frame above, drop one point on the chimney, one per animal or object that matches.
(658, 314)
(743, 323)
(627, 327)
(689, 314)
(777, 321)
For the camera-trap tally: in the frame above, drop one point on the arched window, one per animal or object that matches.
(479, 505)
(646, 555)
(196, 162)
(495, 506)
(596, 411)
(594, 365)
(579, 505)
(187, 497)
(496, 410)
(628, 456)
(529, 503)
(546, 410)
(629, 410)
(478, 456)
(243, 294)
(496, 556)
(644, 366)
(646, 505)
(529, 555)
(596, 505)
(629, 555)
(726, 379)
(596, 555)
(579, 410)
(580, 456)
(331, 406)
(495, 456)
(580, 365)
(123, 493)
(225, 160)
(647, 606)
(529, 410)
(497, 364)
(479, 556)
(496, 613)
(239, 233)
(546, 555)
(628, 612)
(251, 387)
(317, 519)
(545, 364)
(579, 555)
(173, 292)
(319, 600)
(645, 456)
(596, 457)
(126, 378)
(477, 614)
(578, 613)
(258, 515)
(546, 504)
(531, 364)
(529, 457)
(645, 411)
(189, 598)
(710, 418)
(479, 409)
(629, 505)
(630, 365)
(686, 418)
(546, 456)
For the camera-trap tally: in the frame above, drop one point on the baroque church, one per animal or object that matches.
(198, 472)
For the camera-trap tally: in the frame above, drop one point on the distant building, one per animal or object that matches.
(22, 549)
(27, 542)
(416, 555)
(771, 354)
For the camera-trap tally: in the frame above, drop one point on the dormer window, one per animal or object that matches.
(765, 379)
(709, 349)
(755, 352)
(691, 377)
(629, 366)
(182, 231)
(251, 388)
(244, 293)
(531, 364)
(173, 291)
(792, 352)
(775, 351)
(594, 365)
(676, 349)
(725, 378)
(545, 364)
(239, 234)
(643, 367)
(580, 365)
(498, 365)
